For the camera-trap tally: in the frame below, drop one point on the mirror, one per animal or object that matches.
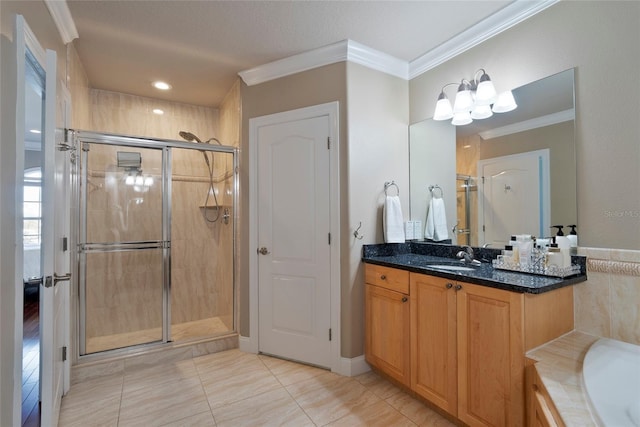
(516, 197)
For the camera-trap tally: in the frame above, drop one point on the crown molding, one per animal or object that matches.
(538, 122)
(61, 15)
(493, 25)
(346, 50)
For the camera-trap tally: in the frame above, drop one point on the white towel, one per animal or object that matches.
(436, 228)
(392, 220)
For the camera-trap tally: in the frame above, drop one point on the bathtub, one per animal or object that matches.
(611, 374)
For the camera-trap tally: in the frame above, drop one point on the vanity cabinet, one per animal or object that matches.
(461, 346)
(467, 355)
(387, 321)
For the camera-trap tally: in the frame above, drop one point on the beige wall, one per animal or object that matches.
(313, 87)
(373, 149)
(600, 40)
(378, 151)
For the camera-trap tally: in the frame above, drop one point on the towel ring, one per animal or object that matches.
(436, 187)
(389, 184)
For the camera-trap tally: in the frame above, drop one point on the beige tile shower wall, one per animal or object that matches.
(113, 112)
(608, 304)
(202, 252)
(202, 244)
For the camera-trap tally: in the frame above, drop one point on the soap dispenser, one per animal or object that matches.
(559, 227)
(573, 238)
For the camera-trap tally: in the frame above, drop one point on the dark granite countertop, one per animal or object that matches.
(419, 258)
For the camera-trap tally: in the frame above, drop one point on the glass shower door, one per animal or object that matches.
(123, 246)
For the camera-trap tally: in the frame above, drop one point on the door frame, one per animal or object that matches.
(544, 184)
(251, 343)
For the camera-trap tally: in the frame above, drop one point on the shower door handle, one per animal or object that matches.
(263, 251)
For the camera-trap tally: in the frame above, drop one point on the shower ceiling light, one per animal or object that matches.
(161, 85)
(158, 111)
(476, 99)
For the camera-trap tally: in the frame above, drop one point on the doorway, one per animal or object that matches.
(294, 217)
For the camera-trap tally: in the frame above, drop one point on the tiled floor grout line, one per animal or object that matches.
(120, 402)
(288, 392)
(205, 392)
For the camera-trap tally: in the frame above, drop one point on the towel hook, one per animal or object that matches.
(436, 187)
(356, 233)
(389, 184)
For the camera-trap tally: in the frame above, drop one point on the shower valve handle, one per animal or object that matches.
(263, 251)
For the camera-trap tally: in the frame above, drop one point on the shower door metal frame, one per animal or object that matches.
(79, 137)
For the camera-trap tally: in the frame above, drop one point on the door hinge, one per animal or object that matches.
(48, 281)
(328, 143)
(64, 353)
(329, 334)
(483, 228)
(329, 236)
(65, 244)
(483, 179)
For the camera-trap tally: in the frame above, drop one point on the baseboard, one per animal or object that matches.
(247, 345)
(353, 367)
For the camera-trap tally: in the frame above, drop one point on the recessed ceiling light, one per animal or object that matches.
(35, 131)
(161, 85)
(158, 111)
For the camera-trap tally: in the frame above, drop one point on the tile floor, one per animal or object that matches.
(233, 388)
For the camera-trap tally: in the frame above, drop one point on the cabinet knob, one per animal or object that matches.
(458, 287)
(405, 299)
(449, 285)
(383, 277)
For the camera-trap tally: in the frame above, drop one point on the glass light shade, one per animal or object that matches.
(464, 101)
(148, 181)
(505, 103)
(486, 93)
(480, 112)
(443, 109)
(129, 180)
(139, 180)
(462, 118)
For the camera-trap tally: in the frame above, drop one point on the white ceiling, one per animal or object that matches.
(200, 46)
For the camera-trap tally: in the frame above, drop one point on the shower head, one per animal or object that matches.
(192, 138)
(189, 136)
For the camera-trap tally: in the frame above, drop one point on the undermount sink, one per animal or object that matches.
(450, 267)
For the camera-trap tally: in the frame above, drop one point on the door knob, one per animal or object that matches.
(449, 285)
(263, 251)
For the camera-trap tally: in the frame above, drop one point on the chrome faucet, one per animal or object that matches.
(466, 256)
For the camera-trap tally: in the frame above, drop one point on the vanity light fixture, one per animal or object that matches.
(158, 111)
(475, 100)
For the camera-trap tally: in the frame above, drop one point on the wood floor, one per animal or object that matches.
(31, 360)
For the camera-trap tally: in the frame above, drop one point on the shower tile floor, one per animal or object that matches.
(179, 332)
(233, 388)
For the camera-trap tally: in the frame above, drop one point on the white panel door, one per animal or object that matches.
(293, 228)
(52, 295)
(514, 197)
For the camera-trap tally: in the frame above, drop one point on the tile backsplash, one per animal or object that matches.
(608, 303)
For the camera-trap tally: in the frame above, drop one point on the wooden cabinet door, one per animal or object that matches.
(387, 332)
(490, 357)
(433, 340)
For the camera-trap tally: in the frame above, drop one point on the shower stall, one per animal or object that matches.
(467, 210)
(155, 241)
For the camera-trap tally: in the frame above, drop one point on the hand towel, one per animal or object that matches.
(436, 228)
(392, 220)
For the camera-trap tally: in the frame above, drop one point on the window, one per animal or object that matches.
(32, 207)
